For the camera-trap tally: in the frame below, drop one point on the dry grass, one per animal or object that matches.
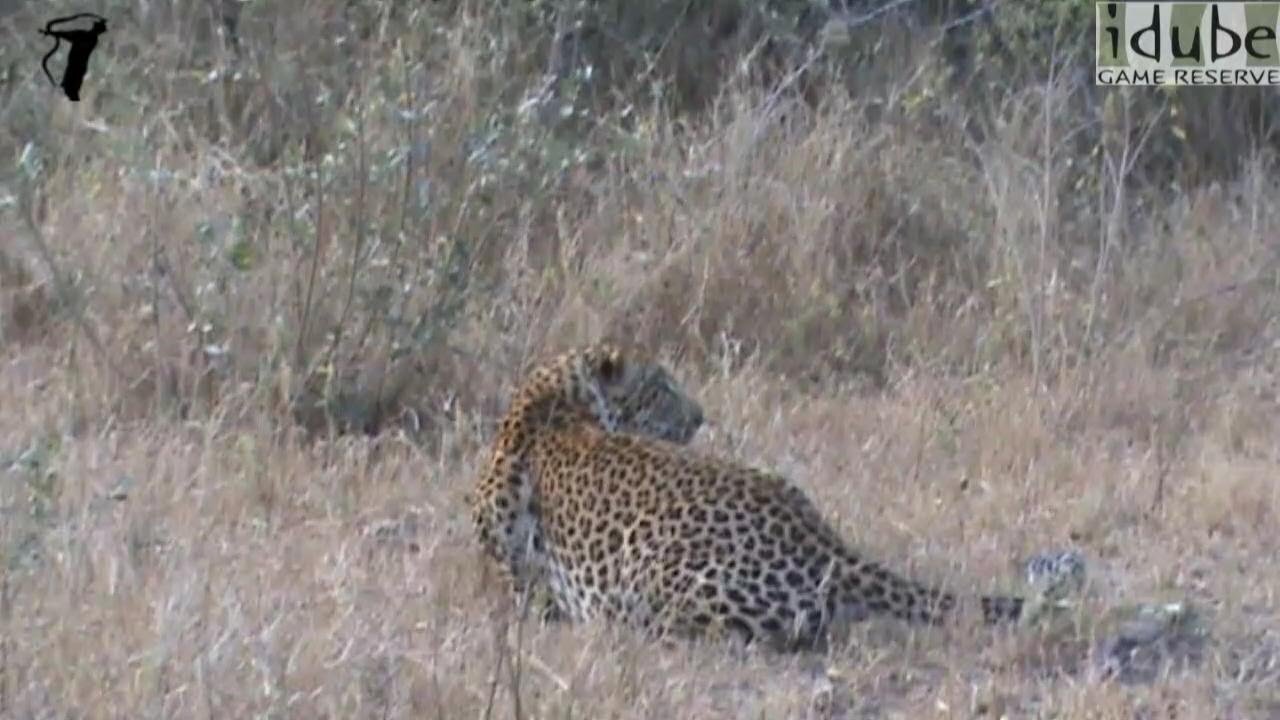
(968, 346)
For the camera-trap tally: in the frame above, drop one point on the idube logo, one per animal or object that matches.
(1187, 43)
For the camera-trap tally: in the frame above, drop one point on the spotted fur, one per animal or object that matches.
(590, 492)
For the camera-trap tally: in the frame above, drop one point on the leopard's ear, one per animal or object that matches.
(610, 364)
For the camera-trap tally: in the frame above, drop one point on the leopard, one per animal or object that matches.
(593, 492)
(564, 395)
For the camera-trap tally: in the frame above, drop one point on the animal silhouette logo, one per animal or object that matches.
(82, 44)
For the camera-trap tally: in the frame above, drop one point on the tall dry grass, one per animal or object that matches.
(263, 300)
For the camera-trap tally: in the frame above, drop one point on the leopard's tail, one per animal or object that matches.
(869, 588)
